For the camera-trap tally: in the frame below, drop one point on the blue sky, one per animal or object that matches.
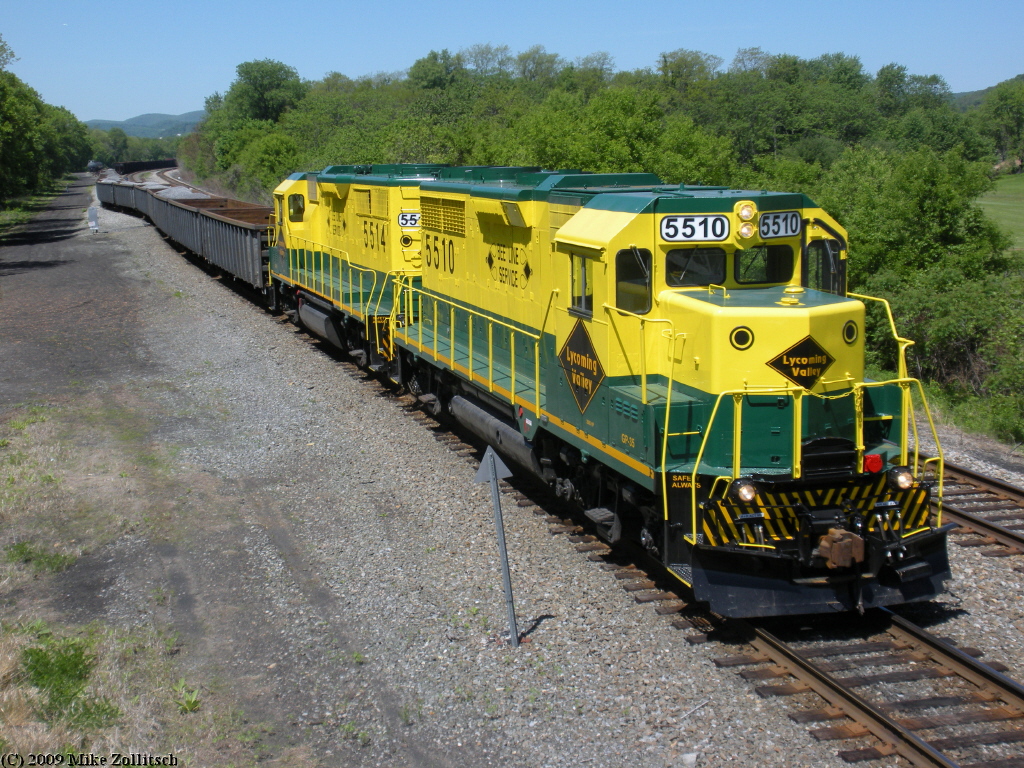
(115, 60)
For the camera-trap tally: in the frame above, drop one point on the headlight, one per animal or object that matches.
(900, 478)
(746, 211)
(743, 489)
(746, 230)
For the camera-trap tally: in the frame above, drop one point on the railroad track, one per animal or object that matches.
(163, 176)
(989, 508)
(911, 693)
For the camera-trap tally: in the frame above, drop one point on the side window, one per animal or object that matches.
(690, 267)
(582, 284)
(296, 207)
(825, 271)
(633, 280)
(764, 264)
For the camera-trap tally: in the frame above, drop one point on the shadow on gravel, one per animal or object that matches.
(33, 235)
(535, 624)
(84, 588)
(931, 614)
(8, 268)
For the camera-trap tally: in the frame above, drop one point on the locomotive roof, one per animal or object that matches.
(626, 192)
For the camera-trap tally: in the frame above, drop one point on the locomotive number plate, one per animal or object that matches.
(683, 229)
(780, 224)
(408, 219)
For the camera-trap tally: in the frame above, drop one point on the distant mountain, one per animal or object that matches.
(972, 99)
(152, 126)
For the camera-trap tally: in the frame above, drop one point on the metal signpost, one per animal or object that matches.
(492, 469)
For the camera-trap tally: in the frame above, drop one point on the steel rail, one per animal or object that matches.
(984, 481)
(1008, 538)
(968, 519)
(963, 664)
(895, 738)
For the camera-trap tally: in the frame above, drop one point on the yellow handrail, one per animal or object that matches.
(737, 463)
(903, 343)
(311, 246)
(404, 287)
(608, 308)
(857, 392)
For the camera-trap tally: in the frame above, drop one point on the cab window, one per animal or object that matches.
(825, 270)
(582, 284)
(633, 280)
(764, 264)
(687, 267)
(296, 207)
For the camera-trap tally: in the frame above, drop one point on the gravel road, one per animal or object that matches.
(335, 568)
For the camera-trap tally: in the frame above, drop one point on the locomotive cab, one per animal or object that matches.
(789, 482)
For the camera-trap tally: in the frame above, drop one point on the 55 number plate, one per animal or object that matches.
(781, 224)
(682, 229)
(408, 219)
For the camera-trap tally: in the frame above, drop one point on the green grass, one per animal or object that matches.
(1005, 205)
(41, 559)
(16, 212)
(61, 670)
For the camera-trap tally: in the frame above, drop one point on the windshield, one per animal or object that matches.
(694, 267)
(764, 264)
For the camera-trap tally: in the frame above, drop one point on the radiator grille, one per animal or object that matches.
(443, 215)
(371, 202)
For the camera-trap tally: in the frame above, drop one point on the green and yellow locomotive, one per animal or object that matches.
(683, 363)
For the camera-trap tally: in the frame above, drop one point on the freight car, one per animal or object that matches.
(134, 166)
(230, 234)
(682, 363)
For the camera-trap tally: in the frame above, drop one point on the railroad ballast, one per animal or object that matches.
(682, 363)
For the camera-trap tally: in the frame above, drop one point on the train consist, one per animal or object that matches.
(682, 363)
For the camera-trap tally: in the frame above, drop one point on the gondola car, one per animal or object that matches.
(683, 363)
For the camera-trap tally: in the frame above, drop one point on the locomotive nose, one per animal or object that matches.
(770, 337)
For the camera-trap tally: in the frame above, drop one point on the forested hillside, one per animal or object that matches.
(152, 126)
(887, 153)
(38, 142)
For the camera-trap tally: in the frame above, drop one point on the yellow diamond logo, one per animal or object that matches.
(582, 368)
(803, 363)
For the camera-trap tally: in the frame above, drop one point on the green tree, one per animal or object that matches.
(489, 60)
(918, 238)
(536, 65)
(117, 142)
(689, 155)
(263, 90)
(6, 54)
(1003, 110)
(682, 69)
(437, 70)
(268, 160)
